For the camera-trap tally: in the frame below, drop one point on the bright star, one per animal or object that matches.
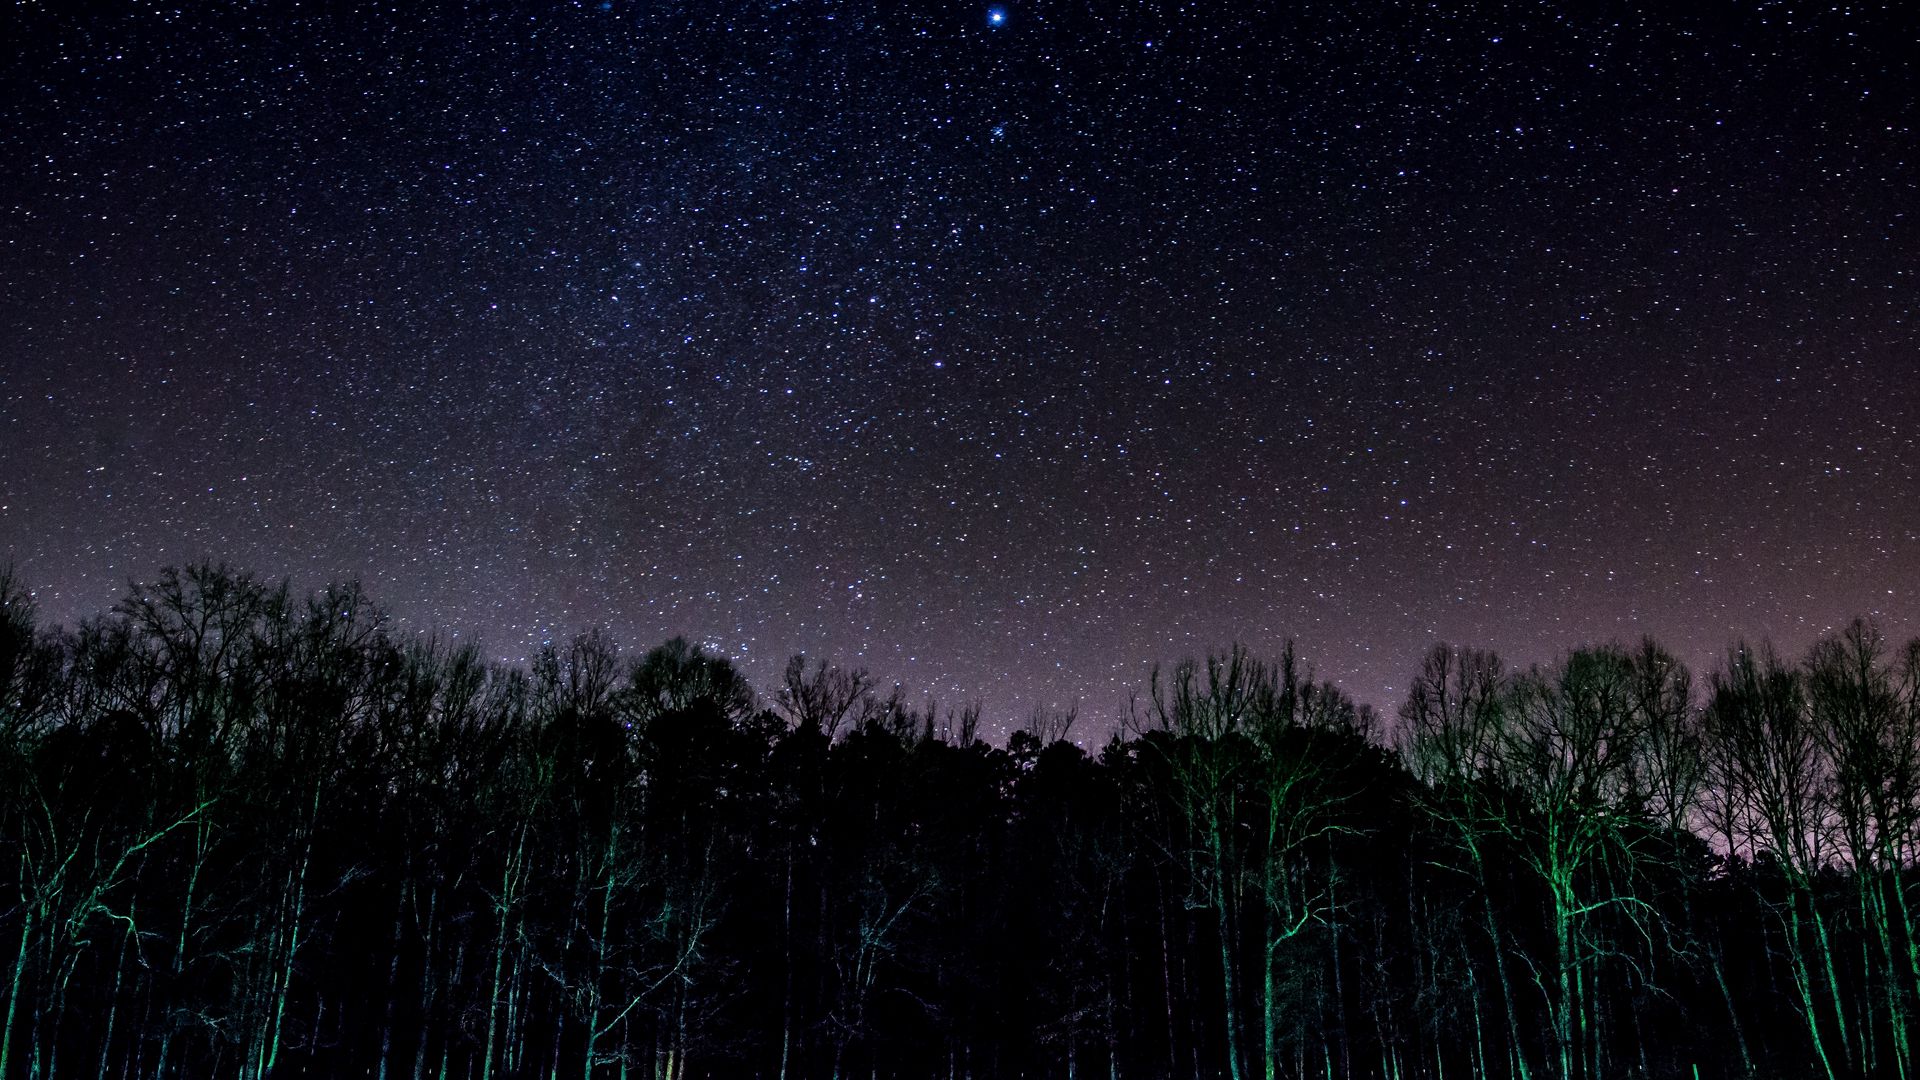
(996, 16)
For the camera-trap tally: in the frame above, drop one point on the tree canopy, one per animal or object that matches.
(249, 834)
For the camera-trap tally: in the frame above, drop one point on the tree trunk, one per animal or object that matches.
(1223, 923)
(13, 988)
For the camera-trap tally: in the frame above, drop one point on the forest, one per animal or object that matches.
(247, 833)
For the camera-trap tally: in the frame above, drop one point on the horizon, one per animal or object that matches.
(1091, 728)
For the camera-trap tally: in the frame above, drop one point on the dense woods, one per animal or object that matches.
(248, 834)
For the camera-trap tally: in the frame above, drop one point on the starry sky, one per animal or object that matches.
(1002, 350)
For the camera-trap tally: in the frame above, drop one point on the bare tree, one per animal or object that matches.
(826, 697)
(1573, 749)
(1049, 726)
(1209, 710)
(1871, 737)
(1768, 757)
(1303, 736)
(1455, 719)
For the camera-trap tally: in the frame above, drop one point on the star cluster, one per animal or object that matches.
(1001, 350)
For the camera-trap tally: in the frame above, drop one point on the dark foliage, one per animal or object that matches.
(249, 835)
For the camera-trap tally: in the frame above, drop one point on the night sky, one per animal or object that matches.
(1002, 350)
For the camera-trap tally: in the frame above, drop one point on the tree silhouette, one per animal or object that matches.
(248, 834)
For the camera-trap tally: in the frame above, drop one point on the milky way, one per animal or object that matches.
(1003, 350)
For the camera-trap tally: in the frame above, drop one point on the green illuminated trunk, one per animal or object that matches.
(1223, 925)
(519, 998)
(1803, 982)
(1878, 915)
(510, 877)
(1876, 954)
(393, 970)
(1339, 980)
(1834, 992)
(429, 984)
(287, 939)
(1718, 963)
(1269, 1019)
(13, 988)
(202, 840)
(1910, 953)
(113, 1000)
(595, 1029)
(1479, 1032)
(1516, 1050)
(1563, 1005)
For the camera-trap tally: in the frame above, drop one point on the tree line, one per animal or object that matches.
(250, 834)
